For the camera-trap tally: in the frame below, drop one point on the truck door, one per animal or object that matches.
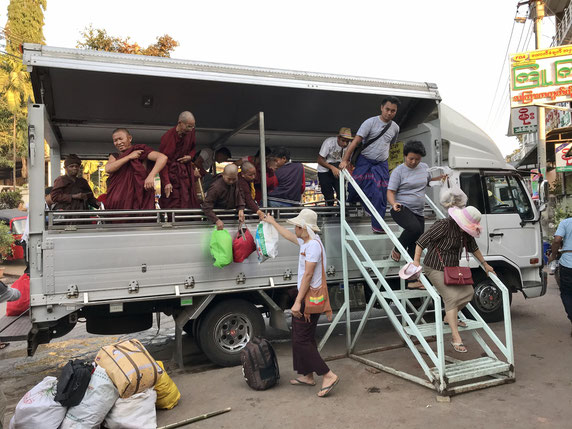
(507, 207)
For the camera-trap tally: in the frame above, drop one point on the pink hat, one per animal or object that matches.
(468, 219)
(410, 271)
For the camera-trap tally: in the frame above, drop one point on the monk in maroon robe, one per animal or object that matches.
(178, 188)
(131, 182)
(71, 191)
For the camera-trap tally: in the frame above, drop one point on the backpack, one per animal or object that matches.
(259, 364)
(73, 382)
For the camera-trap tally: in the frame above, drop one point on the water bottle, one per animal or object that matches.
(553, 265)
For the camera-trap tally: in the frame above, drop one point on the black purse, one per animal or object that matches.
(358, 150)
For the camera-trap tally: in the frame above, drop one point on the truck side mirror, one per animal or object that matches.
(543, 194)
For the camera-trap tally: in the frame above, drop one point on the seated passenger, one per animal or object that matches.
(271, 181)
(131, 182)
(206, 163)
(71, 191)
(291, 180)
(224, 193)
(246, 184)
(329, 159)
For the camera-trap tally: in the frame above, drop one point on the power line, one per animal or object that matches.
(505, 56)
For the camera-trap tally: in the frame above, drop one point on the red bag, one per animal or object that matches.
(15, 308)
(242, 245)
(457, 276)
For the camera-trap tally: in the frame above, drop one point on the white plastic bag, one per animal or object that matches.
(136, 412)
(38, 409)
(451, 195)
(266, 241)
(99, 398)
(438, 171)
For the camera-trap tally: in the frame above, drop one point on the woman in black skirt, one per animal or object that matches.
(312, 259)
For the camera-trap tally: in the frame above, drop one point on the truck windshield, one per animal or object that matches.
(505, 194)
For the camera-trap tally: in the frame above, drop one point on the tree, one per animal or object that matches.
(97, 39)
(24, 25)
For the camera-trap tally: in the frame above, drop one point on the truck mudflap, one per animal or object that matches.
(534, 289)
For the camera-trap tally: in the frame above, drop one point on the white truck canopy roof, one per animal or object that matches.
(469, 146)
(89, 93)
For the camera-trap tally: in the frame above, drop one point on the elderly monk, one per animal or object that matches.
(224, 193)
(178, 178)
(131, 182)
(71, 191)
(245, 182)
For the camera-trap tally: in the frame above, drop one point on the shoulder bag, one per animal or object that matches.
(457, 276)
(317, 300)
(358, 150)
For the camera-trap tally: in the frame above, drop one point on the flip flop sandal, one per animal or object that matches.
(459, 323)
(4, 345)
(328, 389)
(459, 347)
(395, 255)
(419, 287)
(298, 382)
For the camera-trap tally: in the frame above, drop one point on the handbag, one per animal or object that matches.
(242, 244)
(317, 300)
(457, 276)
(358, 150)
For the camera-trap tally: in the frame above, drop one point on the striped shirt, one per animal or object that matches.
(445, 235)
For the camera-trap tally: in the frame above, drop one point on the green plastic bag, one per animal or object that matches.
(221, 247)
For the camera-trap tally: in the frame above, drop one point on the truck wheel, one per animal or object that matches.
(487, 300)
(226, 328)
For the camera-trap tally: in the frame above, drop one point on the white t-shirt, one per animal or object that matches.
(311, 252)
(331, 151)
(207, 155)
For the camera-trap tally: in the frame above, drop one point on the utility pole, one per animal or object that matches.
(541, 146)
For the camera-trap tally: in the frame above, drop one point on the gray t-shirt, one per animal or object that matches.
(409, 186)
(378, 151)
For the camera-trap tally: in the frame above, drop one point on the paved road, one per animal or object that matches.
(540, 398)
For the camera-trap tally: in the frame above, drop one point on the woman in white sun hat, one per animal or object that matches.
(445, 241)
(312, 259)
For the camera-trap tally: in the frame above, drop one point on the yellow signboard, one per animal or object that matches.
(542, 76)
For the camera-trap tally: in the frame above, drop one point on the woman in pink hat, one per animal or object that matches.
(445, 241)
(311, 274)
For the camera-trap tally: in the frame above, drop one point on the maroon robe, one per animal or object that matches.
(126, 187)
(65, 187)
(184, 194)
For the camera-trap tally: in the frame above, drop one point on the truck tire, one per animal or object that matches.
(226, 328)
(487, 300)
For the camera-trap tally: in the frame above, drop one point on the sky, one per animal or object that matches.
(460, 45)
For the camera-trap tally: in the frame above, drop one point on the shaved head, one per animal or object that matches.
(247, 165)
(230, 169)
(186, 116)
(230, 174)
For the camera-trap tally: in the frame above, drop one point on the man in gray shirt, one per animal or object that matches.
(371, 170)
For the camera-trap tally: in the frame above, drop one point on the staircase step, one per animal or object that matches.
(407, 294)
(368, 237)
(472, 369)
(429, 329)
(382, 263)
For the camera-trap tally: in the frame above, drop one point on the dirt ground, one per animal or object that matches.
(541, 397)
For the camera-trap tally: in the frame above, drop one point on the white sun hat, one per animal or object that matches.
(307, 219)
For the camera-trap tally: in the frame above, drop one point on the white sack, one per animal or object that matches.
(38, 409)
(451, 195)
(136, 412)
(266, 241)
(99, 398)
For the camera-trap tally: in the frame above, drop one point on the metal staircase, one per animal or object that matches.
(406, 309)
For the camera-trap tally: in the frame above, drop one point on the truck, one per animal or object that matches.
(115, 275)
